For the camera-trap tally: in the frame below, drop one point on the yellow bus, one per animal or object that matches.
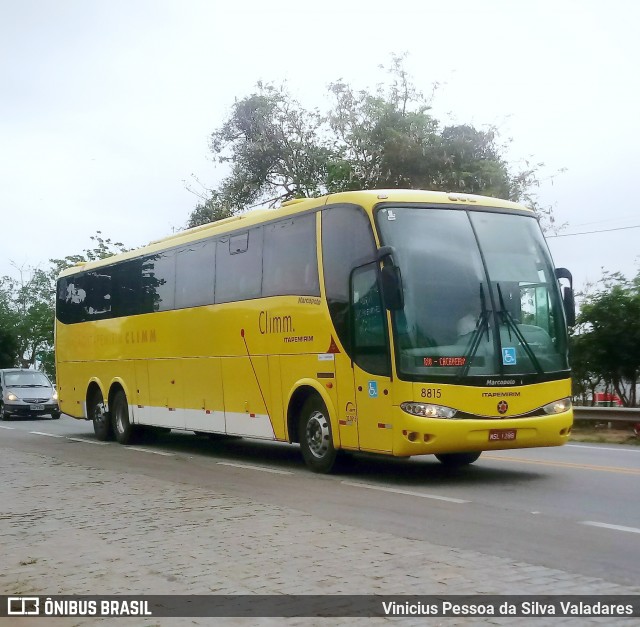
(399, 322)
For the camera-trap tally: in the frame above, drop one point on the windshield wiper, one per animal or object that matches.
(512, 325)
(482, 324)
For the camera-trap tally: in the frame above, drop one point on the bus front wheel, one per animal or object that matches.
(100, 416)
(122, 427)
(316, 441)
(454, 460)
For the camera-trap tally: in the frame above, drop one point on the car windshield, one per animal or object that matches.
(480, 294)
(26, 379)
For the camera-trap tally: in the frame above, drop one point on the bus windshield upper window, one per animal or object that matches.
(462, 268)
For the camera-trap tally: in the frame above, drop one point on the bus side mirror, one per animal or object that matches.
(391, 282)
(568, 299)
(569, 306)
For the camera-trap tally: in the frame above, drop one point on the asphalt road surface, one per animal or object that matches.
(567, 519)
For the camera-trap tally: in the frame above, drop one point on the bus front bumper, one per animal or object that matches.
(425, 436)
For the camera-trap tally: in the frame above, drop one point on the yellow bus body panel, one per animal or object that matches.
(234, 368)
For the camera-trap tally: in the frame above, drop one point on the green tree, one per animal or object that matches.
(609, 333)
(585, 372)
(274, 148)
(210, 210)
(8, 347)
(102, 248)
(27, 311)
(381, 138)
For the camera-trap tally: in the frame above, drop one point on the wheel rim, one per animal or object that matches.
(318, 434)
(100, 414)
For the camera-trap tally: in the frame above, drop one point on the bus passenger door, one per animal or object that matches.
(372, 366)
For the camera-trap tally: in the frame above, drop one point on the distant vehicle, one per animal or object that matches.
(606, 399)
(27, 393)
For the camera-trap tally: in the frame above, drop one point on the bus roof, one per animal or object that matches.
(366, 198)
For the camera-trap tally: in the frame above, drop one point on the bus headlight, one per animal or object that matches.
(557, 407)
(427, 410)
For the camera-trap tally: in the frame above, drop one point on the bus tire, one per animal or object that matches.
(455, 460)
(98, 413)
(316, 441)
(122, 427)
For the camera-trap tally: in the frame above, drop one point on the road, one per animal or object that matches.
(545, 521)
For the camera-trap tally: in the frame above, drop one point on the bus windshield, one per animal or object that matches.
(480, 295)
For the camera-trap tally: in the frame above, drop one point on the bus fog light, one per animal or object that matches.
(427, 410)
(557, 407)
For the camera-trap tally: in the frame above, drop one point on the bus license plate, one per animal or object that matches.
(36, 407)
(502, 434)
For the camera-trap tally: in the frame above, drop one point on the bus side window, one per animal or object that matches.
(238, 266)
(195, 274)
(158, 280)
(290, 258)
(98, 301)
(71, 296)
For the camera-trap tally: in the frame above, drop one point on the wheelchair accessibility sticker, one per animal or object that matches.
(509, 356)
(373, 389)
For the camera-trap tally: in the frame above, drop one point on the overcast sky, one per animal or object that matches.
(106, 106)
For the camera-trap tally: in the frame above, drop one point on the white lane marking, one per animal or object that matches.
(605, 448)
(259, 468)
(5, 427)
(148, 450)
(88, 441)
(51, 435)
(591, 523)
(406, 492)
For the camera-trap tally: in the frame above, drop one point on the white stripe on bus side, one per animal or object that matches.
(233, 423)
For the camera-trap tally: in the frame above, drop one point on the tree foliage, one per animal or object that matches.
(101, 249)
(8, 347)
(27, 313)
(606, 343)
(386, 137)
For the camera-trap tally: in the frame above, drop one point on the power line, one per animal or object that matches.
(621, 228)
(618, 219)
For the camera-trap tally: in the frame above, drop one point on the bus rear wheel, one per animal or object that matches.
(316, 441)
(122, 427)
(455, 460)
(100, 416)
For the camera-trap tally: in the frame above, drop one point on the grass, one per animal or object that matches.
(596, 432)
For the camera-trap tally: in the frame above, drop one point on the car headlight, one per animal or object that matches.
(427, 410)
(54, 396)
(557, 407)
(11, 397)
